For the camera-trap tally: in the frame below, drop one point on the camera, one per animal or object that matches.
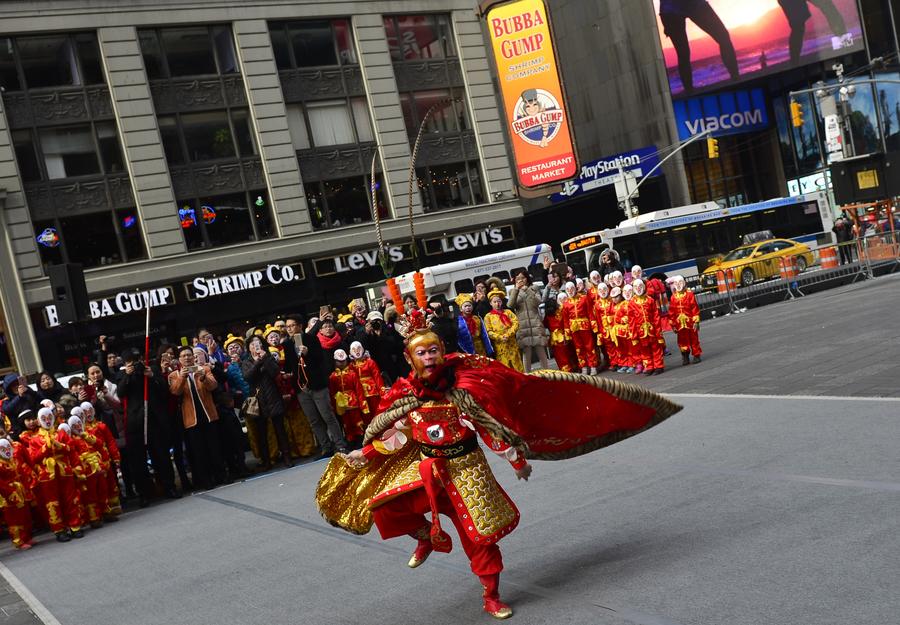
(376, 324)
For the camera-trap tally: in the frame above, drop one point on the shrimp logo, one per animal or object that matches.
(537, 117)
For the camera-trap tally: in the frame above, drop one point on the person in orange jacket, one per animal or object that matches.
(91, 469)
(15, 493)
(684, 315)
(647, 331)
(369, 376)
(579, 320)
(348, 397)
(109, 454)
(49, 453)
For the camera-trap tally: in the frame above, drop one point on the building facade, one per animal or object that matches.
(214, 159)
(626, 99)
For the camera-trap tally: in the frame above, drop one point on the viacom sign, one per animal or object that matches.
(722, 114)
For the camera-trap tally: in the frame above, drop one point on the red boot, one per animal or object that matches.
(492, 603)
(423, 550)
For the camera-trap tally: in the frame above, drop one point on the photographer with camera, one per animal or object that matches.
(194, 386)
(261, 372)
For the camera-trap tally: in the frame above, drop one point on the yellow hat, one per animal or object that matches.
(496, 293)
(354, 302)
(462, 298)
(345, 318)
(233, 339)
(269, 329)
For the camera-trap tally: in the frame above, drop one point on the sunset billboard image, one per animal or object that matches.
(712, 43)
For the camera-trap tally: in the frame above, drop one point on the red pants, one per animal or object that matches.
(18, 522)
(352, 420)
(93, 496)
(651, 352)
(584, 348)
(60, 498)
(406, 515)
(689, 341)
(564, 354)
(624, 353)
(113, 503)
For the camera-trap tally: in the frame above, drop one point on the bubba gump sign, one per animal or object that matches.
(532, 94)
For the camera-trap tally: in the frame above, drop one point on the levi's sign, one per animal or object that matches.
(202, 287)
(359, 260)
(722, 114)
(469, 240)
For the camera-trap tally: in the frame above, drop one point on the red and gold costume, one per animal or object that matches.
(370, 377)
(349, 401)
(645, 328)
(561, 341)
(580, 319)
(502, 326)
(15, 494)
(110, 457)
(50, 454)
(603, 313)
(684, 316)
(91, 470)
(422, 458)
(621, 331)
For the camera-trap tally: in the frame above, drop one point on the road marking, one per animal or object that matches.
(798, 397)
(634, 616)
(38, 608)
(890, 487)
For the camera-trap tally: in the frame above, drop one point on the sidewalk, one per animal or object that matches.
(13, 609)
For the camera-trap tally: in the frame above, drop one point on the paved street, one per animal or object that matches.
(739, 510)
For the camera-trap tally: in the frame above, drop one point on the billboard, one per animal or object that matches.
(533, 106)
(728, 113)
(713, 43)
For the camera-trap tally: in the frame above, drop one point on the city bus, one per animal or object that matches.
(451, 279)
(683, 240)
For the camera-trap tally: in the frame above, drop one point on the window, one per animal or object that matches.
(9, 74)
(449, 114)
(93, 240)
(412, 37)
(188, 51)
(448, 186)
(50, 61)
(312, 43)
(344, 201)
(331, 122)
(216, 221)
(26, 156)
(69, 151)
(207, 136)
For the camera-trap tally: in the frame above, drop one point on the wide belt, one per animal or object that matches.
(465, 446)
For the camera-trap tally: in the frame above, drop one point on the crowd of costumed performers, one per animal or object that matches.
(610, 324)
(60, 474)
(421, 457)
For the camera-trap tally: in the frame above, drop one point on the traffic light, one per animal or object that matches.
(796, 114)
(712, 147)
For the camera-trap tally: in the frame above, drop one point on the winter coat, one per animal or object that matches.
(262, 376)
(525, 303)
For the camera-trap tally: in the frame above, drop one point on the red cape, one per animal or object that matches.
(558, 415)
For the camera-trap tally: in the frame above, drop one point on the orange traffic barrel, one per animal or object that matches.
(729, 279)
(788, 268)
(721, 286)
(828, 257)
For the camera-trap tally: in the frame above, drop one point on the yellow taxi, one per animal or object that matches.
(758, 261)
